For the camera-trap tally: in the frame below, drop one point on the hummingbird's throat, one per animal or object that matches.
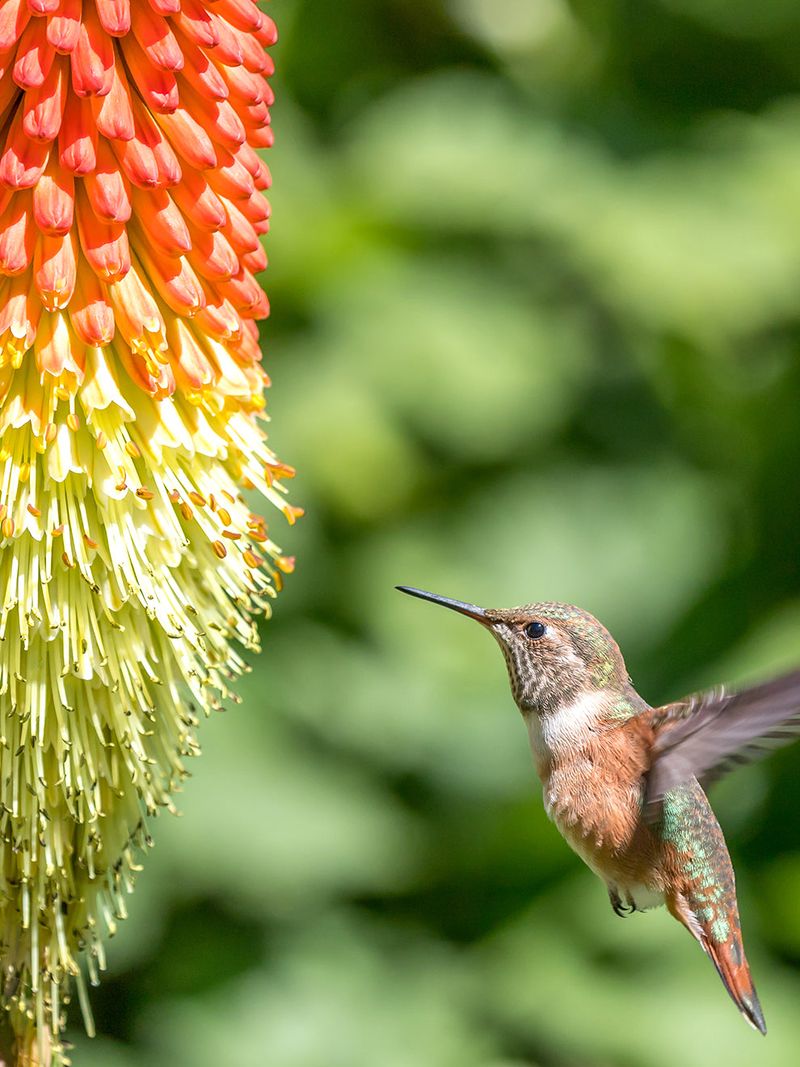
(541, 684)
(557, 734)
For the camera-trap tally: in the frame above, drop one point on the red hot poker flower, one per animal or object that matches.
(131, 212)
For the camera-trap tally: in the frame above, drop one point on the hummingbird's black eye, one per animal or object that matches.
(535, 630)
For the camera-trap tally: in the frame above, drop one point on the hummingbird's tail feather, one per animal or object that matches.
(737, 979)
(720, 938)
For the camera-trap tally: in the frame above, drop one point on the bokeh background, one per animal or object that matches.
(536, 288)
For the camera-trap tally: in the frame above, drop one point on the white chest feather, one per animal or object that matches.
(581, 794)
(560, 742)
(559, 734)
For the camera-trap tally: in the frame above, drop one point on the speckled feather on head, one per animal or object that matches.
(623, 781)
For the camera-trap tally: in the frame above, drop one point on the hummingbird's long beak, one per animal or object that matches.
(471, 610)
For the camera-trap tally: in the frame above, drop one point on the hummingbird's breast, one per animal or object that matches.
(592, 770)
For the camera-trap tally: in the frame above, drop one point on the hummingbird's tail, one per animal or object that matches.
(720, 937)
(733, 969)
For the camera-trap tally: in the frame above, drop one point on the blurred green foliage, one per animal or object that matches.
(536, 288)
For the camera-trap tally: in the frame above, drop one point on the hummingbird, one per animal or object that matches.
(624, 782)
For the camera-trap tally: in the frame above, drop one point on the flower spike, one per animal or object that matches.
(131, 564)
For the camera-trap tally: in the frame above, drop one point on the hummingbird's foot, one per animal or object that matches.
(623, 910)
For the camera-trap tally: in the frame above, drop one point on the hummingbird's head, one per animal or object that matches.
(555, 653)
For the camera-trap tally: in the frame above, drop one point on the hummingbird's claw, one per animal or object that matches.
(623, 910)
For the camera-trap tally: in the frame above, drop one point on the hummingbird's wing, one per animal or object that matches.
(707, 734)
